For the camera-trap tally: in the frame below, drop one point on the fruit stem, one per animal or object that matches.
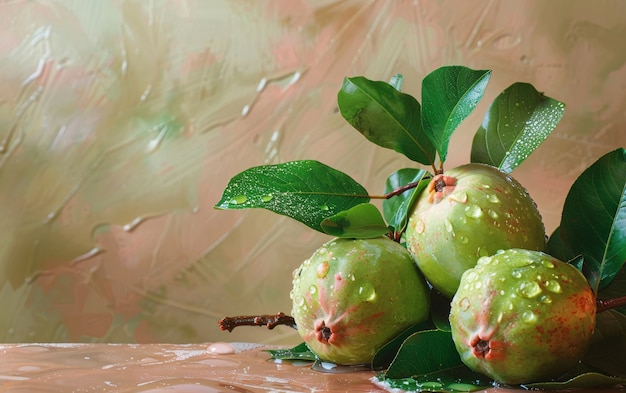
(607, 304)
(271, 321)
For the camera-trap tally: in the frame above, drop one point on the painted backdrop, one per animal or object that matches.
(121, 122)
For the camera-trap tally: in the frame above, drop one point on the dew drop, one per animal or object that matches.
(238, 200)
(484, 261)
(529, 289)
(371, 296)
(492, 214)
(553, 286)
(448, 226)
(547, 264)
(546, 299)
(420, 226)
(351, 277)
(516, 274)
(529, 317)
(464, 304)
(312, 289)
(493, 198)
(473, 211)
(299, 301)
(432, 385)
(267, 198)
(322, 251)
(322, 269)
(463, 239)
(478, 285)
(460, 197)
(324, 207)
(471, 276)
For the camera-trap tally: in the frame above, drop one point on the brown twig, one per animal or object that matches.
(607, 304)
(271, 321)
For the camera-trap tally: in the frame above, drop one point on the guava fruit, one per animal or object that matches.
(467, 212)
(522, 316)
(352, 296)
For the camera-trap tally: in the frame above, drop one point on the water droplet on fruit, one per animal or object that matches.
(420, 226)
(312, 289)
(463, 239)
(448, 226)
(238, 200)
(478, 285)
(529, 316)
(267, 198)
(547, 264)
(546, 299)
(493, 198)
(460, 197)
(492, 214)
(464, 304)
(553, 286)
(299, 301)
(473, 211)
(516, 274)
(322, 250)
(484, 261)
(529, 289)
(322, 269)
(351, 277)
(471, 276)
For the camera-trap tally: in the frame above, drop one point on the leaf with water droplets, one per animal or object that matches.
(307, 191)
(396, 208)
(359, 222)
(449, 95)
(593, 222)
(515, 124)
(386, 117)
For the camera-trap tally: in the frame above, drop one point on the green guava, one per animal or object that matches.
(522, 316)
(468, 212)
(354, 295)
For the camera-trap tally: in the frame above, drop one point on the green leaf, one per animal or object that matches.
(607, 353)
(515, 124)
(557, 247)
(453, 380)
(396, 208)
(423, 353)
(386, 117)
(359, 222)
(299, 352)
(586, 380)
(396, 81)
(449, 95)
(593, 222)
(616, 289)
(307, 191)
(385, 355)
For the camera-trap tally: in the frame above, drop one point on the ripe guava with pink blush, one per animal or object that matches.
(467, 212)
(352, 296)
(522, 316)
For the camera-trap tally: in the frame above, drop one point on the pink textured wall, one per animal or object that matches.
(122, 121)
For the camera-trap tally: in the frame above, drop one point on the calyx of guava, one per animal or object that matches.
(354, 295)
(467, 212)
(522, 316)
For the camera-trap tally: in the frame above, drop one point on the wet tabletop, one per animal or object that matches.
(218, 367)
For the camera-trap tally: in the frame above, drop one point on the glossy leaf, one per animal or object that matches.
(299, 352)
(396, 208)
(515, 124)
(453, 380)
(607, 353)
(307, 191)
(423, 353)
(557, 247)
(359, 222)
(449, 95)
(396, 81)
(616, 289)
(586, 380)
(385, 355)
(593, 222)
(386, 117)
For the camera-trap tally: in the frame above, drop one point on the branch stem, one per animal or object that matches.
(607, 304)
(271, 321)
